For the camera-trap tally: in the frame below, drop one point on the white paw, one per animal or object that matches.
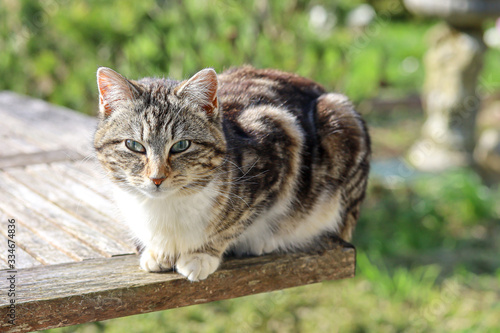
(197, 266)
(154, 261)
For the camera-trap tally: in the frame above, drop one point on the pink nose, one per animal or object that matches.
(158, 181)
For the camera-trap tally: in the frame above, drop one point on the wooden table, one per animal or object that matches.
(74, 261)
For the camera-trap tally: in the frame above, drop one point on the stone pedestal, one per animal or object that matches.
(453, 64)
(487, 151)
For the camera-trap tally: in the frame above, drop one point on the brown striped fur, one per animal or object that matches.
(275, 162)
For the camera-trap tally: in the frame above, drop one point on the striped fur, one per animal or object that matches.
(274, 163)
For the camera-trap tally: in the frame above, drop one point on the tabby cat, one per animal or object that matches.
(249, 161)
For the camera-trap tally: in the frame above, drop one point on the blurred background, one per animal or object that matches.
(426, 80)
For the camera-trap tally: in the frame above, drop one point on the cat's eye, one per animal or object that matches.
(180, 146)
(135, 146)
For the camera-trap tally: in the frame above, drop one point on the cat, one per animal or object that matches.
(250, 161)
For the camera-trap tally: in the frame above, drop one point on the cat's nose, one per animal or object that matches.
(158, 181)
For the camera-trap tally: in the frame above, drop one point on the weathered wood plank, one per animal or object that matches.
(58, 246)
(22, 258)
(10, 148)
(93, 239)
(50, 126)
(9, 161)
(25, 130)
(12, 145)
(36, 246)
(82, 192)
(88, 174)
(100, 289)
(22, 146)
(109, 228)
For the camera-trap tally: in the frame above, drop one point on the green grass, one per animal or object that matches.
(53, 51)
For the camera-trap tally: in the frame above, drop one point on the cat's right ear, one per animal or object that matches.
(115, 91)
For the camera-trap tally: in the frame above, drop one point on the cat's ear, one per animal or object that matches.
(201, 89)
(114, 91)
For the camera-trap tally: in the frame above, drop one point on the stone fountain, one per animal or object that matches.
(450, 95)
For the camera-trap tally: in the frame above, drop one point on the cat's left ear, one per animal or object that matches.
(201, 89)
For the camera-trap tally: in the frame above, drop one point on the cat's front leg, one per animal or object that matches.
(197, 266)
(155, 260)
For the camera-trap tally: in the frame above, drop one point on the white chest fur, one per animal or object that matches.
(175, 224)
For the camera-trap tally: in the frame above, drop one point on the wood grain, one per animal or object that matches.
(99, 289)
(45, 125)
(12, 145)
(38, 245)
(71, 204)
(89, 197)
(87, 173)
(99, 244)
(15, 160)
(22, 259)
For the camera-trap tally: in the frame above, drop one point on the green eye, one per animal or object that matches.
(180, 146)
(135, 146)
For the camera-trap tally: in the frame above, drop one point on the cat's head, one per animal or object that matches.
(158, 137)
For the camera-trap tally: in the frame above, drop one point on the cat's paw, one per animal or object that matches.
(154, 261)
(197, 266)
